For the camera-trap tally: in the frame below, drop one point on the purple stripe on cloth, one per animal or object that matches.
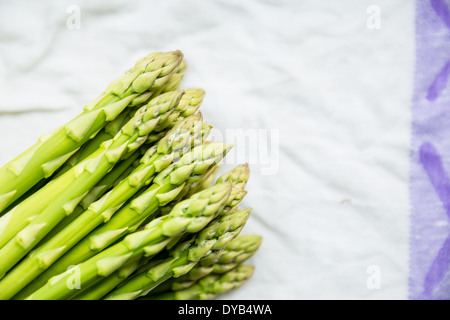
(442, 10)
(439, 84)
(429, 273)
(433, 166)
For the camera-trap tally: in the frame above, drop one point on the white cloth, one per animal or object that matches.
(332, 203)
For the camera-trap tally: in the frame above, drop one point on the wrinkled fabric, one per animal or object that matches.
(315, 95)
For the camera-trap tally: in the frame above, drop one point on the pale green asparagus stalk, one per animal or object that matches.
(42, 159)
(237, 177)
(188, 105)
(210, 286)
(109, 131)
(120, 172)
(176, 78)
(164, 187)
(157, 110)
(107, 179)
(239, 250)
(190, 216)
(236, 253)
(205, 182)
(188, 102)
(99, 289)
(183, 136)
(25, 225)
(184, 256)
(189, 189)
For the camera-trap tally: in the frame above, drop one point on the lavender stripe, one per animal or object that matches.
(429, 276)
(438, 269)
(442, 10)
(433, 166)
(439, 83)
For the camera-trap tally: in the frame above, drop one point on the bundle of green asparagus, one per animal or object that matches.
(125, 200)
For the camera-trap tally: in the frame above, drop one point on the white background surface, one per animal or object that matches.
(337, 93)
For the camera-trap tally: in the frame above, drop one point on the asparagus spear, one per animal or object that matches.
(189, 104)
(184, 256)
(106, 133)
(238, 176)
(98, 290)
(210, 286)
(165, 186)
(190, 216)
(120, 172)
(182, 137)
(130, 137)
(189, 189)
(205, 182)
(240, 249)
(25, 225)
(235, 253)
(51, 151)
(175, 80)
